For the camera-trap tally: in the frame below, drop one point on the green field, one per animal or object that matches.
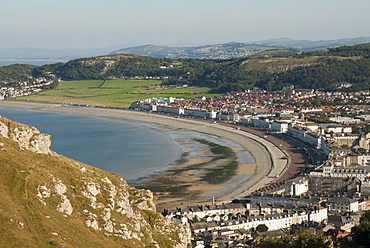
(113, 93)
(71, 85)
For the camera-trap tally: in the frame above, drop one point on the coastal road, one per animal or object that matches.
(295, 155)
(272, 161)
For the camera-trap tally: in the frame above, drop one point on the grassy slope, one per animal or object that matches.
(20, 176)
(276, 64)
(26, 222)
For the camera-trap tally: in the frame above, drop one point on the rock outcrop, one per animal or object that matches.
(52, 200)
(27, 137)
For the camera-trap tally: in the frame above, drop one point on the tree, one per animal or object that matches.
(262, 228)
(361, 232)
(303, 238)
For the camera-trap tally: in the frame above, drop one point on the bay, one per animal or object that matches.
(128, 149)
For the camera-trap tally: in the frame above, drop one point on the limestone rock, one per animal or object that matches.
(4, 130)
(27, 137)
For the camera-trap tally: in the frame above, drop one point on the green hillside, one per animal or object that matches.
(48, 200)
(320, 70)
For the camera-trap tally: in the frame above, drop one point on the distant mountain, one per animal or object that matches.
(218, 51)
(237, 49)
(308, 46)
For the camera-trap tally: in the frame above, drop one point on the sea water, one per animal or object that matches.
(128, 149)
(30, 62)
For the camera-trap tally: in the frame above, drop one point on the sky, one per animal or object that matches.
(97, 23)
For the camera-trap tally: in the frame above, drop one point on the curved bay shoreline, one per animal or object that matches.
(267, 156)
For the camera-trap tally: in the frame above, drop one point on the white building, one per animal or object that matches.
(341, 205)
(279, 127)
(328, 170)
(273, 222)
(306, 135)
(170, 110)
(261, 122)
(296, 187)
(211, 114)
(228, 117)
(195, 113)
(335, 128)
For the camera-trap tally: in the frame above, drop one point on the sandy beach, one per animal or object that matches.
(269, 158)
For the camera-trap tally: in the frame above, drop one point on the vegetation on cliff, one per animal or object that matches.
(49, 200)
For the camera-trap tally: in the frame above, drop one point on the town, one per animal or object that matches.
(329, 195)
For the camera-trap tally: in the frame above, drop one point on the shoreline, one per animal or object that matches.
(200, 173)
(267, 156)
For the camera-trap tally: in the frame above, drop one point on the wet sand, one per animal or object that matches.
(268, 157)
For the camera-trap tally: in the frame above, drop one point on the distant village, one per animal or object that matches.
(212, 52)
(21, 88)
(329, 196)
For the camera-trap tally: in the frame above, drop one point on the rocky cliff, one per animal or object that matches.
(27, 137)
(49, 200)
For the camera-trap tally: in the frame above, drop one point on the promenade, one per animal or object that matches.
(271, 160)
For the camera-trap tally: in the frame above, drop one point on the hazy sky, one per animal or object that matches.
(105, 23)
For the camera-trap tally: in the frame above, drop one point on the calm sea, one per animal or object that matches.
(129, 149)
(29, 62)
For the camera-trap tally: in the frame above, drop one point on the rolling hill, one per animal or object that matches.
(224, 51)
(218, 51)
(309, 46)
(238, 49)
(323, 70)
